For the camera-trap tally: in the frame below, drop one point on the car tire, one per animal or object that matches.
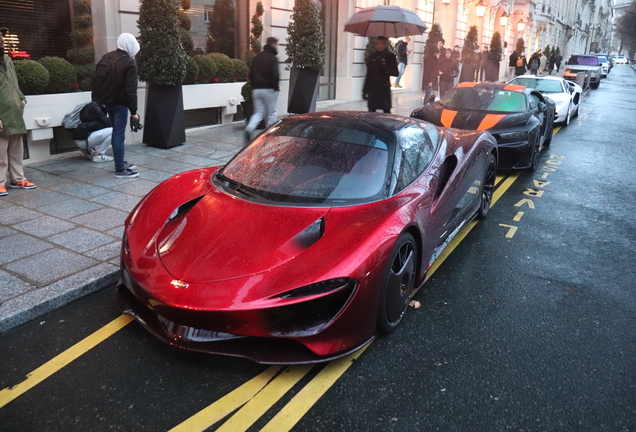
(488, 187)
(594, 86)
(576, 113)
(398, 284)
(535, 154)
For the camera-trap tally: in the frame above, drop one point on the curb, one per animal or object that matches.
(37, 303)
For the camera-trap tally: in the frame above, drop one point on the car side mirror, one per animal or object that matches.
(571, 90)
(542, 107)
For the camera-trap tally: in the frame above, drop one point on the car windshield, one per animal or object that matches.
(583, 61)
(543, 85)
(485, 99)
(318, 160)
(602, 59)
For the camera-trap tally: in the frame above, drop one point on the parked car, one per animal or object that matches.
(583, 63)
(621, 60)
(520, 118)
(309, 242)
(605, 65)
(565, 94)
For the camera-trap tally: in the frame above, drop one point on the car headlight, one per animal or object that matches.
(513, 136)
(324, 287)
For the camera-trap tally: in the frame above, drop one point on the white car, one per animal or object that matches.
(620, 60)
(565, 94)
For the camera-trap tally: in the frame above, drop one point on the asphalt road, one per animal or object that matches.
(529, 325)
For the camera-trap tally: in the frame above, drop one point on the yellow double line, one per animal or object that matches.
(255, 397)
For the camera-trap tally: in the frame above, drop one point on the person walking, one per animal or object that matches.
(381, 66)
(512, 64)
(484, 64)
(521, 66)
(115, 87)
(431, 67)
(557, 61)
(534, 64)
(543, 63)
(448, 69)
(94, 133)
(402, 58)
(551, 62)
(12, 125)
(457, 56)
(265, 78)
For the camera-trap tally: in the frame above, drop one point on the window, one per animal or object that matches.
(207, 13)
(461, 24)
(534, 102)
(416, 153)
(485, 99)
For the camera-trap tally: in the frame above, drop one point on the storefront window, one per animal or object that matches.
(37, 28)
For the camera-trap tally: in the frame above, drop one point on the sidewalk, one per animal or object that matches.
(61, 241)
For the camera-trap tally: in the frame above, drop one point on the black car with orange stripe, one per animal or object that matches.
(520, 118)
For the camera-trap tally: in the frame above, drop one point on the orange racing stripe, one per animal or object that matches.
(467, 85)
(490, 120)
(447, 117)
(514, 87)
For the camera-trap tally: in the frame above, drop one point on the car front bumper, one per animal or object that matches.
(571, 76)
(515, 155)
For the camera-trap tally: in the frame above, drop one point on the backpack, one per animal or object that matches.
(534, 63)
(520, 62)
(72, 120)
(105, 85)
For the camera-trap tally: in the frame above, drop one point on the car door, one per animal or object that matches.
(534, 101)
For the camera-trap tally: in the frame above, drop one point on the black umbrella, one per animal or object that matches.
(389, 21)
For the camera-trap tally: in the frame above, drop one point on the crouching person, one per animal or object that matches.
(94, 133)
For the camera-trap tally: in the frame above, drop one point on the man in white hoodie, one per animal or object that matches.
(115, 86)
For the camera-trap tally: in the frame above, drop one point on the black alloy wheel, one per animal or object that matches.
(566, 122)
(399, 282)
(535, 153)
(488, 187)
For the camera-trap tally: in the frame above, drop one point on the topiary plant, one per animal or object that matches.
(82, 7)
(85, 75)
(192, 71)
(521, 45)
(306, 43)
(32, 76)
(222, 28)
(241, 71)
(248, 57)
(207, 68)
(161, 60)
(246, 91)
(257, 29)
(469, 55)
(81, 37)
(81, 56)
(62, 74)
(225, 67)
(547, 51)
(184, 20)
(496, 49)
(186, 40)
(434, 35)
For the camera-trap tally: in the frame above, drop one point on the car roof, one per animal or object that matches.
(390, 122)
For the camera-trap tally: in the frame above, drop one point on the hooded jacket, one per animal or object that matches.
(116, 77)
(264, 69)
(11, 100)
(93, 118)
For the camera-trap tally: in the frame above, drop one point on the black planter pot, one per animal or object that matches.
(303, 91)
(468, 73)
(248, 110)
(164, 125)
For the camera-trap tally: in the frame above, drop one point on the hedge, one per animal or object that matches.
(62, 74)
(207, 68)
(225, 67)
(80, 56)
(241, 71)
(32, 76)
(192, 71)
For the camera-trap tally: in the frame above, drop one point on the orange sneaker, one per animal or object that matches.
(24, 184)
(3, 191)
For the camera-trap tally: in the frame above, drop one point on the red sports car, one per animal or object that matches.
(309, 242)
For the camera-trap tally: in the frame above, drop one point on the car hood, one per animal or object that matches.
(472, 120)
(580, 68)
(222, 237)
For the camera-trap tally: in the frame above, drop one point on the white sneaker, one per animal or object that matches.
(102, 158)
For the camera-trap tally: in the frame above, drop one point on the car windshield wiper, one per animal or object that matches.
(237, 186)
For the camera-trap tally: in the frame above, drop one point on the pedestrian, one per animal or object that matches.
(264, 76)
(430, 76)
(534, 64)
(12, 125)
(551, 62)
(522, 65)
(115, 87)
(512, 64)
(457, 56)
(543, 63)
(448, 69)
(402, 58)
(94, 133)
(381, 66)
(557, 61)
(484, 64)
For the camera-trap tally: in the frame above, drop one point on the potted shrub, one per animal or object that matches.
(192, 71)
(82, 55)
(469, 56)
(62, 75)
(162, 64)
(306, 54)
(225, 67)
(207, 68)
(496, 51)
(32, 76)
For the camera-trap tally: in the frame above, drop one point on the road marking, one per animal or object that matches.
(63, 359)
(228, 403)
(511, 230)
(300, 404)
(518, 216)
(526, 201)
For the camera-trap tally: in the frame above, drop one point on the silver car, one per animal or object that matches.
(583, 63)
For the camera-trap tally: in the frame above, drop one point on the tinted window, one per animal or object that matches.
(485, 99)
(542, 85)
(414, 153)
(534, 102)
(315, 161)
(583, 61)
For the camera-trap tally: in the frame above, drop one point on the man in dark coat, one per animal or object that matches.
(551, 62)
(534, 63)
(448, 69)
(431, 67)
(522, 65)
(264, 76)
(512, 64)
(557, 61)
(484, 64)
(381, 66)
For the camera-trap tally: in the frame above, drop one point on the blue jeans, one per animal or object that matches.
(118, 115)
(402, 68)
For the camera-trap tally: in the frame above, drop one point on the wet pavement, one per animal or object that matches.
(528, 325)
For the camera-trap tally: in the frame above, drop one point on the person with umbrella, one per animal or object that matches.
(381, 66)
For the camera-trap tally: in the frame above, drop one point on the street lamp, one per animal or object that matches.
(503, 19)
(521, 26)
(480, 9)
